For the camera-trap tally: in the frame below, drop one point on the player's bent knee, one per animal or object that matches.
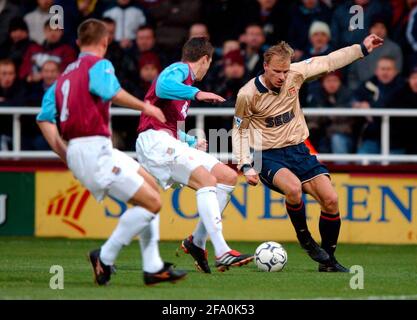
(147, 198)
(226, 176)
(210, 181)
(294, 193)
(155, 204)
(232, 177)
(201, 178)
(331, 204)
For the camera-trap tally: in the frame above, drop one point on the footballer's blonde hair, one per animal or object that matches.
(282, 50)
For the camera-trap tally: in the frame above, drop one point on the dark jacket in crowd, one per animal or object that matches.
(342, 35)
(378, 95)
(321, 127)
(64, 53)
(403, 130)
(9, 12)
(12, 97)
(301, 20)
(17, 51)
(275, 24)
(174, 18)
(126, 69)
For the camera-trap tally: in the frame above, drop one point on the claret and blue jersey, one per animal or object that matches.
(172, 92)
(81, 98)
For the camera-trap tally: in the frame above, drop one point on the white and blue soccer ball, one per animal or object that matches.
(270, 257)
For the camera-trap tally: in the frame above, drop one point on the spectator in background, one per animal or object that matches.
(199, 30)
(331, 134)
(273, 16)
(342, 33)
(412, 36)
(403, 130)
(230, 45)
(232, 78)
(149, 67)
(319, 36)
(53, 49)
(254, 41)
(217, 67)
(12, 94)
(377, 92)
(76, 12)
(50, 71)
(36, 20)
(123, 63)
(363, 69)
(302, 16)
(12, 91)
(32, 139)
(146, 42)
(147, 4)
(18, 43)
(173, 20)
(87, 9)
(128, 18)
(225, 19)
(8, 11)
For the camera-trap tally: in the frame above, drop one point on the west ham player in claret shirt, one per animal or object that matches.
(173, 157)
(81, 100)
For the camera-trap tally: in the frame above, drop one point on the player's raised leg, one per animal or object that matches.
(205, 184)
(290, 185)
(196, 243)
(323, 191)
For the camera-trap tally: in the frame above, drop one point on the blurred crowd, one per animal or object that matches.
(147, 35)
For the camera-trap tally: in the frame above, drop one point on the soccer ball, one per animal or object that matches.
(271, 257)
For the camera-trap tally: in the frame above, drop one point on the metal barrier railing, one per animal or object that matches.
(202, 113)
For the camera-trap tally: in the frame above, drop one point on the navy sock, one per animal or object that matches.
(329, 230)
(297, 215)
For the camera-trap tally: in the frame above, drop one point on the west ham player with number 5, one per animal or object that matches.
(81, 99)
(172, 156)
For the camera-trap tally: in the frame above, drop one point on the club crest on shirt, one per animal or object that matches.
(238, 122)
(292, 92)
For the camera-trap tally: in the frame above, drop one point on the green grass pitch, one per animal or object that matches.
(389, 272)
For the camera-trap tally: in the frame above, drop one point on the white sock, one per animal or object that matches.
(200, 234)
(149, 239)
(132, 222)
(208, 207)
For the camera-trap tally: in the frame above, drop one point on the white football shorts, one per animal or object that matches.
(102, 169)
(169, 160)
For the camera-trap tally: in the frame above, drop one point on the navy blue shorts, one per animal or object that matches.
(297, 159)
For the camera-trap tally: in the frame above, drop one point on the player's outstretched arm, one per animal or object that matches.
(315, 67)
(209, 97)
(51, 134)
(125, 99)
